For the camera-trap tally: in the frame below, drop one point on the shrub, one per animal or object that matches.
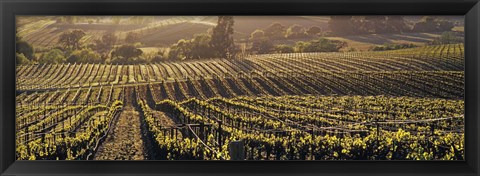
(127, 54)
(393, 46)
(25, 48)
(314, 31)
(53, 56)
(257, 35)
(447, 38)
(320, 45)
(84, 56)
(275, 31)
(284, 49)
(21, 59)
(262, 46)
(295, 31)
(430, 24)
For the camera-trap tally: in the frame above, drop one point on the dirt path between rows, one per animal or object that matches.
(124, 141)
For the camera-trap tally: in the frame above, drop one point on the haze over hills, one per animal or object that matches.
(162, 31)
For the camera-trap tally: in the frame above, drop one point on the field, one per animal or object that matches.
(390, 105)
(164, 31)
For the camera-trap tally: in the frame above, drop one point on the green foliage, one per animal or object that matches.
(372, 24)
(222, 38)
(197, 48)
(319, 45)
(200, 47)
(161, 55)
(396, 24)
(106, 43)
(295, 31)
(343, 25)
(68, 147)
(314, 31)
(447, 38)
(355, 25)
(71, 40)
(21, 59)
(127, 54)
(431, 24)
(275, 31)
(393, 46)
(257, 35)
(284, 49)
(262, 46)
(53, 56)
(25, 48)
(343, 126)
(300, 46)
(84, 56)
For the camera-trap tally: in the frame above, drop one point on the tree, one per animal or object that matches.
(200, 47)
(284, 49)
(426, 24)
(222, 38)
(21, 59)
(320, 45)
(343, 25)
(127, 54)
(275, 31)
(314, 31)
(393, 46)
(354, 25)
(160, 56)
(178, 50)
(444, 25)
(196, 48)
(52, 57)
(24, 48)
(374, 24)
(396, 24)
(71, 40)
(84, 56)
(257, 35)
(262, 46)
(295, 31)
(447, 38)
(106, 43)
(300, 46)
(431, 24)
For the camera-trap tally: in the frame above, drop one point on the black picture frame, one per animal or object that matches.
(10, 8)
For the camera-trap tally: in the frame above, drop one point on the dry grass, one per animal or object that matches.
(365, 42)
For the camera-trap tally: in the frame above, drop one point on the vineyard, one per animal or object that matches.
(46, 32)
(390, 105)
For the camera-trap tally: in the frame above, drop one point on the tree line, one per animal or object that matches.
(218, 44)
(219, 41)
(356, 25)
